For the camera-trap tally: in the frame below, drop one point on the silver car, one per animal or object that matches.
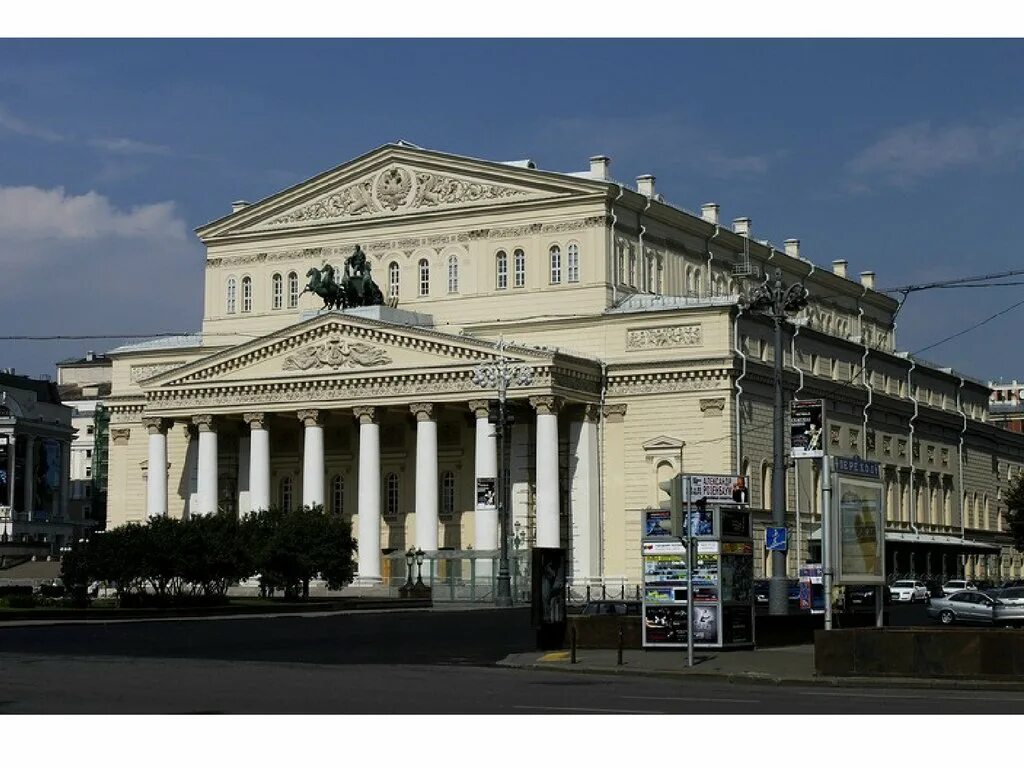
(974, 607)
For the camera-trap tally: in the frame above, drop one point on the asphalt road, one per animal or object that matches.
(413, 662)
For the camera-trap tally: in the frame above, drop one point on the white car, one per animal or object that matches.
(908, 591)
(957, 585)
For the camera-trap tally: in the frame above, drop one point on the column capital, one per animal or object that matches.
(154, 424)
(255, 419)
(422, 411)
(204, 423)
(479, 408)
(366, 414)
(310, 417)
(120, 435)
(591, 411)
(615, 413)
(546, 404)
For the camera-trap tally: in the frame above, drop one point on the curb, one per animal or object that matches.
(763, 678)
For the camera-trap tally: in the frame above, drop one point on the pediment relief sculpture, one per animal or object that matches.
(336, 353)
(392, 189)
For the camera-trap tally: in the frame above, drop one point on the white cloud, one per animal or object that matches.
(30, 213)
(16, 125)
(123, 146)
(913, 152)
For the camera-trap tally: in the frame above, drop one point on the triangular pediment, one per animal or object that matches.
(398, 180)
(663, 443)
(335, 344)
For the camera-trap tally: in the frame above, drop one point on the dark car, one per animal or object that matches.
(761, 590)
(612, 608)
(864, 594)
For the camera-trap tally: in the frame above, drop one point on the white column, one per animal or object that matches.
(486, 516)
(65, 483)
(583, 501)
(156, 472)
(312, 458)
(369, 494)
(259, 462)
(426, 476)
(7, 528)
(207, 490)
(29, 483)
(548, 533)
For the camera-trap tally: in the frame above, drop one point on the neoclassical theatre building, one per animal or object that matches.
(644, 363)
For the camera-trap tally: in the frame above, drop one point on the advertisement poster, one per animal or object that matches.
(806, 428)
(664, 570)
(664, 625)
(660, 594)
(706, 572)
(861, 526)
(737, 626)
(737, 548)
(720, 488)
(703, 521)
(486, 493)
(657, 523)
(705, 623)
(674, 547)
(737, 578)
(735, 522)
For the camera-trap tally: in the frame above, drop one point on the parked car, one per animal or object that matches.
(612, 608)
(957, 585)
(1009, 595)
(864, 594)
(971, 606)
(1012, 583)
(909, 591)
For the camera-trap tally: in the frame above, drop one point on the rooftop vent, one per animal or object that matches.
(239, 205)
(599, 167)
(521, 164)
(645, 185)
(741, 226)
(867, 279)
(709, 212)
(792, 247)
(839, 267)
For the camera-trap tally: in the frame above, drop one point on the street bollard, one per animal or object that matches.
(618, 661)
(572, 646)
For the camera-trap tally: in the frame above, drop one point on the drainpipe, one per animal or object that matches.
(960, 456)
(611, 250)
(738, 348)
(600, 464)
(643, 259)
(917, 410)
(864, 376)
(796, 396)
(711, 256)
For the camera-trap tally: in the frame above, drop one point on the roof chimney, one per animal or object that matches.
(599, 167)
(867, 279)
(645, 185)
(709, 212)
(839, 267)
(792, 247)
(239, 205)
(741, 226)
(89, 356)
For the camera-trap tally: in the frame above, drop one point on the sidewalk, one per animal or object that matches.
(790, 665)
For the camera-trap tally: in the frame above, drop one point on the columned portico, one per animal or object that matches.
(486, 515)
(206, 490)
(312, 458)
(584, 498)
(259, 461)
(369, 494)
(426, 476)
(548, 533)
(156, 473)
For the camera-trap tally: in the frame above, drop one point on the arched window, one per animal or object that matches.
(232, 288)
(620, 250)
(247, 294)
(448, 493)
(501, 269)
(555, 258)
(572, 266)
(519, 268)
(276, 292)
(424, 277)
(453, 273)
(284, 493)
(659, 285)
(392, 491)
(649, 272)
(338, 495)
(632, 266)
(689, 280)
(293, 290)
(393, 279)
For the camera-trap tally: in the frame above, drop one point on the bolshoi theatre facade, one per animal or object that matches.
(642, 363)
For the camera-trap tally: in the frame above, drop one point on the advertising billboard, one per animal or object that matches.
(806, 429)
(728, 489)
(486, 493)
(860, 531)
(664, 626)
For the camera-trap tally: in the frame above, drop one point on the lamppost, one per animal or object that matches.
(498, 375)
(777, 301)
(410, 558)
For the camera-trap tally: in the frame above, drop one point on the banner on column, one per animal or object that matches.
(486, 493)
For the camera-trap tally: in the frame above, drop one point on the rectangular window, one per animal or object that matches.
(520, 268)
(555, 255)
(501, 266)
(89, 429)
(573, 266)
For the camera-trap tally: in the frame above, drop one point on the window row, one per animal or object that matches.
(557, 269)
(277, 283)
(392, 494)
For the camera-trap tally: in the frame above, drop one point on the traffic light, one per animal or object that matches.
(674, 488)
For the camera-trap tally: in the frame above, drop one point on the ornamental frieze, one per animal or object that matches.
(655, 385)
(141, 372)
(689, 335)
(336, 352)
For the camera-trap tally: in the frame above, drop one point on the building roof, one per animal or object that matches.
(161, 342)
(90, 360)
(77, 391)
(45, 391)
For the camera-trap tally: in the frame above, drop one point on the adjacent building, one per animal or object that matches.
(1006, 405)
(642, 363)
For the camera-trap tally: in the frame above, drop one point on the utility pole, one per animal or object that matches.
(777, 301)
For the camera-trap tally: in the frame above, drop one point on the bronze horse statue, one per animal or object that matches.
(356, 289)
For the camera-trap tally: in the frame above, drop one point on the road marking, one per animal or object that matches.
(592, 709)
(939, 694)
(555, 656)
(693, 698)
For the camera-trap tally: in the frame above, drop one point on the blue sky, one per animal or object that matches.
(904, 157)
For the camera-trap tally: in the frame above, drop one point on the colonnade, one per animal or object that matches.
(368, 418)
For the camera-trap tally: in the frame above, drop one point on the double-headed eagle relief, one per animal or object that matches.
(356, 288)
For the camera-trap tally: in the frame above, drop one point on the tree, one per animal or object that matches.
(1015, 510)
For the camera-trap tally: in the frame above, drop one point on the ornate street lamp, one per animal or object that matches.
(777, 301)
(419, 567)
(499, 375)
(410, 558)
